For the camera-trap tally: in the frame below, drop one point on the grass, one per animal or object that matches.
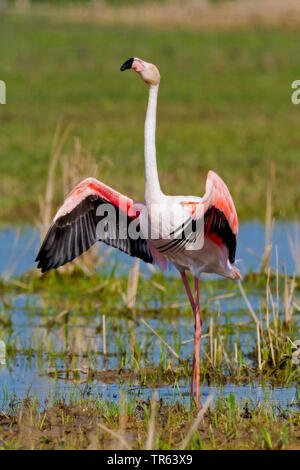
(224, 104)
(93, 424)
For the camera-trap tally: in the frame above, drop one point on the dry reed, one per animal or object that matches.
(191, 14)
(74, 167)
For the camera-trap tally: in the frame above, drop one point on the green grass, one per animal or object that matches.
(224, 104)
(88, 423)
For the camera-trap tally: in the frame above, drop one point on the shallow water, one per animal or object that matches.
(18, 249)
(45, 356)
(29, 377)
(42, 351)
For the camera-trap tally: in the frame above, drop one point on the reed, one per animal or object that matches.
(150, 443)
(132, 285)
(73, 167)
(269, 224)
(190, 14)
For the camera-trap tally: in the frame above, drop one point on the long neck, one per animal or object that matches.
(152, 189)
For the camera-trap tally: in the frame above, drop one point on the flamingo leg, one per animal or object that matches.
(188, 290)
(193, 305)
(193, 376)
(197, 340)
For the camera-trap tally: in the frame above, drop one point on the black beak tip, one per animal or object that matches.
(127, 65)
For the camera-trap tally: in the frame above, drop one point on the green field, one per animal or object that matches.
(224, 104)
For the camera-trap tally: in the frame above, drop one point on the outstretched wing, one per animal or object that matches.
(213, 217)
(220, 217)
(74, 228)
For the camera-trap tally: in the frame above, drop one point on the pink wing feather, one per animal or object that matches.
(73, 230)
(217, 195)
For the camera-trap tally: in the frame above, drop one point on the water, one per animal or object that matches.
(27, 378)
(41, 360)
(18, 250)
(45, 357)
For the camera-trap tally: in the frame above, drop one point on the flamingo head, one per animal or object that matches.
(148, 72)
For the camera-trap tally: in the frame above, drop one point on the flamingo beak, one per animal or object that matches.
(127, 65)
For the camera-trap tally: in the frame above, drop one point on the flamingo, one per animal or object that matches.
(196, 234)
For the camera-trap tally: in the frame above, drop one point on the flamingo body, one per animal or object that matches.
(196, 234)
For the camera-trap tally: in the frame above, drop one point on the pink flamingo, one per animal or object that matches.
(196, 234)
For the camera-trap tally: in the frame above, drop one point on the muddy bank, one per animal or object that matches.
(97, 425)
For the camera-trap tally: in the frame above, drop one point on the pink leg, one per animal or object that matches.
(188, 290)
(193, 305)
(197, 340)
